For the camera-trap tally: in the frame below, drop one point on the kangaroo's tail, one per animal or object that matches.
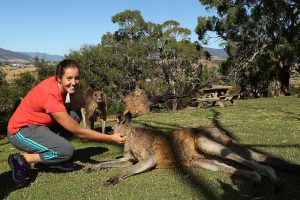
(277, 163)
(282, 165)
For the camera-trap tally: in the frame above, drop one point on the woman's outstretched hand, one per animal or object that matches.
(118, 138)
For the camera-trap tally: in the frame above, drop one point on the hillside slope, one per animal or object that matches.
(44, 56)
(7, 56)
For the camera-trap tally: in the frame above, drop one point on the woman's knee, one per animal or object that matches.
(58, 155)
(68, 151)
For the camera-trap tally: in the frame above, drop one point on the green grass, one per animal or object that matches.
(270, 125)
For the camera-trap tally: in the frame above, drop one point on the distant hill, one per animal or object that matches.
(46, 57)
(7, 56)
(216, 52)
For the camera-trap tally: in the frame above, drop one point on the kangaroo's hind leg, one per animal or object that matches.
(211, 147)
(83, 113)
(103, 124)
(216, 165)
(220, 137)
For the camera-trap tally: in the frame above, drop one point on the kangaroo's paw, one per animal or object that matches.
(89, 170)
(112, 181)
(255, 176)
(271, 174)
(93, 169)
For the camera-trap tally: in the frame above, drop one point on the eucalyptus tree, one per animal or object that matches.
(2, 77)
(3, 92)
(162, 53)
(260, 36)
(121, 58)
(90, 59)
(131, 43)
(179, 57)
(150, 54)
(43, 69)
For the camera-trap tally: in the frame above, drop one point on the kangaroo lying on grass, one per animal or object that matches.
(189, 147)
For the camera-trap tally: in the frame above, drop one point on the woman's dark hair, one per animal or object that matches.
(63, 65)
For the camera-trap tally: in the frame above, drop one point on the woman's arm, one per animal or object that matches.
(66, 121)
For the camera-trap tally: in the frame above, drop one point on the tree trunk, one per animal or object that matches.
(284, 79)
(174, 104)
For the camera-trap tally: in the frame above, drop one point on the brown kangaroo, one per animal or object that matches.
(92, 104)
(189, 147)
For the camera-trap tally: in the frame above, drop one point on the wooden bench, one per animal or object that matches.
(215, 95)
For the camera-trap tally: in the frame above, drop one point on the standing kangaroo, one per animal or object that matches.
(189, 147)
(92, 104)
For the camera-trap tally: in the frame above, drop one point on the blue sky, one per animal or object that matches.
(58, 26)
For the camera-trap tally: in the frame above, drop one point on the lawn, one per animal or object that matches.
(269, 125)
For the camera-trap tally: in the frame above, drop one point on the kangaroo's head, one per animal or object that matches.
(95, 95)
(98, 96)
(123, 123)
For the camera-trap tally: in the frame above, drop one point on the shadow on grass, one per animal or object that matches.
(7, 185)
(171, 126)
(217, 124)
(274, 145)
(84, 155)
(198, 183)
(290, 115)
(287, 188)
(242, 187)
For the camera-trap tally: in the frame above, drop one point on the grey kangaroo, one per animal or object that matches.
(206, 148)
(92, 104)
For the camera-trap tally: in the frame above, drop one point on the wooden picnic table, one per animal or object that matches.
(219, 90)
(214, 95)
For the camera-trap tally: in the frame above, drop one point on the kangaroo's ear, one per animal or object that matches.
(128, 117)
(120, 117)
(103, 97)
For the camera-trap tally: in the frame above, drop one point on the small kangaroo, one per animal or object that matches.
(92, 104)
(189, 147)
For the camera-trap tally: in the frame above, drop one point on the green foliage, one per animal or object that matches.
(181, 104)
(132, 25)
(44, 69)
(204, 25)
(154, 88)
(115, 107)
(140, 51)
(295, 89)
(3, 94)
(256, 33)
(12, 93)
(2, 77)
(21, 85)
(210, 74)
(25, 80)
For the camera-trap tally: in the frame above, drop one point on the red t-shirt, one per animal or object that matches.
(35, 107)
